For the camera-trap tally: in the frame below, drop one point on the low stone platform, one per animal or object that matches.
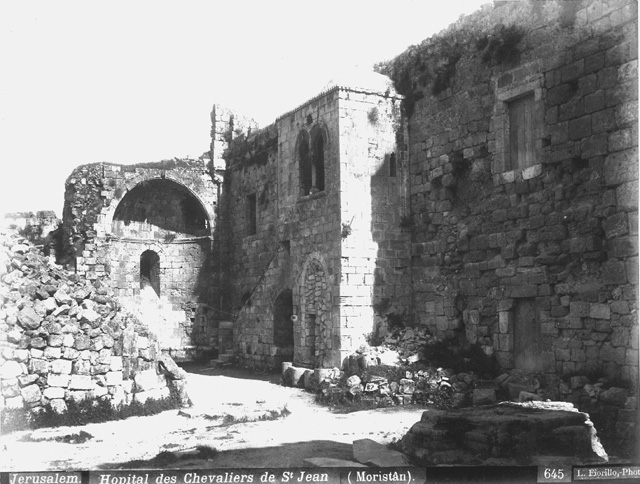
(531, 433)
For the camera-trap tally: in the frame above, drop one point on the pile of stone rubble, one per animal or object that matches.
(66, 338)
(612, 408)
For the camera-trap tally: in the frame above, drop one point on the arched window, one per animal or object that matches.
(150, 270)
(304, 160)
(311, 157)
(317, 162)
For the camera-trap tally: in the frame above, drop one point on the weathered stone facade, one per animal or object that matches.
(489, 194)
(67, 339)
(518, 196)
(535, 258)
(314, 209)
(149, 231)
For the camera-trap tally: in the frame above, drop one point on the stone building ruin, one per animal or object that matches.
(487, 192)
(148, 231)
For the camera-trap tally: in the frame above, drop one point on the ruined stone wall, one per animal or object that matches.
(152, 226)
(66, 339)
(375, 251)
(45, 221)
(537, 264)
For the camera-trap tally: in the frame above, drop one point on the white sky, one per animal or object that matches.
(134, 81)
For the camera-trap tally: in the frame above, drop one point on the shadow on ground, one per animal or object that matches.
(285, 455)
(272, 376)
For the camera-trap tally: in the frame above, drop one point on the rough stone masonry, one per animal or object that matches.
(488, 192)
(68, 339)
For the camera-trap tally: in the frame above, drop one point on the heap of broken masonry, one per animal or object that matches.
(66, 338)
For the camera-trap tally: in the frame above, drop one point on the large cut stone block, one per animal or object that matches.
(506, 433)
(367, 451)
(621, 167)
(148, 380)
(81, 382)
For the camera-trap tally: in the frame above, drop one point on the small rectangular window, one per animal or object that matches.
(252, 214)
(393, 166)
(522, 132)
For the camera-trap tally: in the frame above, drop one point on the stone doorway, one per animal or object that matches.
(150, 271)
(528, 336)
(282, 323)
(312, 333)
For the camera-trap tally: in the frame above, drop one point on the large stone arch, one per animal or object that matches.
(137, 182)
(157, 210)
(112, 235)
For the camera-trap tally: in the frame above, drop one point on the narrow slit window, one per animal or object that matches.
(306, 168)
(318, 164)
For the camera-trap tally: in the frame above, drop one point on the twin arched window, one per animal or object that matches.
(311, 148)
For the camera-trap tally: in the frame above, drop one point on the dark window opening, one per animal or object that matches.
(318, 164)
(252, 214)
(393, 166)
(150, 271)
(522, 132)
(311, 159)
(282, 322)
(306, 178)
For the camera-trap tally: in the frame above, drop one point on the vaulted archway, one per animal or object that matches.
(160, 209)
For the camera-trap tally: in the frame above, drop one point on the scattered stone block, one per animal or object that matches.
(11, 369)
(58, 405)
(25, 380)
(28, 318)
(578, 382)
(614, 396)
(169, 367)
(353, 380)
(31, 393)
(370, 452)
(484, 396)
(149, 380)
(513, 433)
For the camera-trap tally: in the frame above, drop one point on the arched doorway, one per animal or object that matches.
(282, 323)
(150, 271)
(313, 333)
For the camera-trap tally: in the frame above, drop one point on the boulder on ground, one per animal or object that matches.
(513, 433)
(370, 452)
(170, 369)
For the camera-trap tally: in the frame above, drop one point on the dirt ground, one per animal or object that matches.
(227, 407)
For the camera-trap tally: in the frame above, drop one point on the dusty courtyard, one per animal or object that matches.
(226, 412)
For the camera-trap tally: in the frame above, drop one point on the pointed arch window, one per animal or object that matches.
(311, 158)
(317, 161)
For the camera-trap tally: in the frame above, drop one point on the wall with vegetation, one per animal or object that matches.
(552, 246)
